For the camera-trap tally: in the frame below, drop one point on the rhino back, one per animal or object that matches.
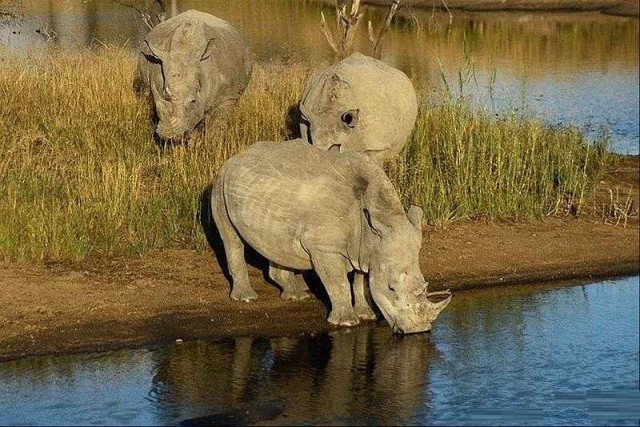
(276, 192)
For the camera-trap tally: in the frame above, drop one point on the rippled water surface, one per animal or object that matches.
(577, 68)
(521, 355)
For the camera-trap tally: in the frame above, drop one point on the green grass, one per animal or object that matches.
(80, 174)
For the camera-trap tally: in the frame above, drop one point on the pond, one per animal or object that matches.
(535, 354)
(579, 68)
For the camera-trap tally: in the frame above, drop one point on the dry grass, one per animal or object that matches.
(80, 174)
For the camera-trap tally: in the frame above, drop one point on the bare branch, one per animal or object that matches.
(347, 23)
(327, 33)
(448, 11)
(372, 36)
(377, 47)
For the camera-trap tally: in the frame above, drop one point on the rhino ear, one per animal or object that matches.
(415, 216)
(206, 52)
(154, 51)
(337, 86)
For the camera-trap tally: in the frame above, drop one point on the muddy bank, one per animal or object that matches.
(182, 294)
(611, 7)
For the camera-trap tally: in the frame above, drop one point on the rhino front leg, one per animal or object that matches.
(332, 271)
(361, 306)
(241, 289)
(293, 286)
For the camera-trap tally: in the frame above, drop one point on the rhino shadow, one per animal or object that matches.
(292, 121)
(251, 256)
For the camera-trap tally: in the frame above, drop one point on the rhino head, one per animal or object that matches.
(396, 282)
(359, 104)
(181, 93)
(331, 115)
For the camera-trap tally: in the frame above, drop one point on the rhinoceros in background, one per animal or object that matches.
(192, 64)
(304, 208)
(359, 104)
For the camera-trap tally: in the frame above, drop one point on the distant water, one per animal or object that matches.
(578, 68)
(526, 355)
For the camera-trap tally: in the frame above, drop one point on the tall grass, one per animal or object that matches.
(80, 174)
(467, 164)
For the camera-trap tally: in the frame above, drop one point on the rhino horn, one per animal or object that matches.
(437, 307)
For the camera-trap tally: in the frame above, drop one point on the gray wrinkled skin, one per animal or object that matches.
(192, 64)
(360, 104)
(304, 208)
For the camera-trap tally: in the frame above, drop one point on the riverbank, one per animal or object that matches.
(611, 7)
(101, 304)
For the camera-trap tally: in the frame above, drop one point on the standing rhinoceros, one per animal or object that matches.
(304, 208)
(192, 64)
(359, 104)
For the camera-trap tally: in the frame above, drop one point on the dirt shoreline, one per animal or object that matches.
(610, 7)
(104, 304)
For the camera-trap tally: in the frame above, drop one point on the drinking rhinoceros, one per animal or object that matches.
(304, 208)
(192, 64)
(359, 104)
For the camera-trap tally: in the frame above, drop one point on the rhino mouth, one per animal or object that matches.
(172, 134)
(416, 316)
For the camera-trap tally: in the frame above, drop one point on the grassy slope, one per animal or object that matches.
(80, 174)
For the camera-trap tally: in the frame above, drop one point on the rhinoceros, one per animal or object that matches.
(303, 208)
(192, 64)
(359, 104)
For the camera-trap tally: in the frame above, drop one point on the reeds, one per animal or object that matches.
(80, 174)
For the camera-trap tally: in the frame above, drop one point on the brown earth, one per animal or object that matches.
(612, 7)
(183, 294)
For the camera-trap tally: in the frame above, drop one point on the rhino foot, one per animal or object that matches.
(295, 295)
(343, 318)
(365, 312)
(244, 295)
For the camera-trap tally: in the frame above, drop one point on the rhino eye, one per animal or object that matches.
(350, 118)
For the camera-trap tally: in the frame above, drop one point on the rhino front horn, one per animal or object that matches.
(439, 306)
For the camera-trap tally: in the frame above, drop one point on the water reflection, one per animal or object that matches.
(579, 68)
(331, 378)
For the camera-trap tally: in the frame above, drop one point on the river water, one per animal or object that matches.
(518, 355)
(579, 69)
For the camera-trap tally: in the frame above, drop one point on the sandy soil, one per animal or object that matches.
(612, 7)
(182, 294)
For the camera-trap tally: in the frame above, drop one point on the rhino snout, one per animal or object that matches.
(172, 130)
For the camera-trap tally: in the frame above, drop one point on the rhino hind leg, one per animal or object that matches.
(333, 273)
(293, 285)
(241, 289)
(361, 305)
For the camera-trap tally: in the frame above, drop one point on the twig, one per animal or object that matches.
(347, 23)
(448, 11)
(377, 47)
(327, 33)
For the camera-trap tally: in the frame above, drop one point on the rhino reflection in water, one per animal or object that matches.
(303, 208)
(192, 64)
(362, 375)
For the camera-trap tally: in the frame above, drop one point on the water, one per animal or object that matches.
(579, 69)
(520, 355)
